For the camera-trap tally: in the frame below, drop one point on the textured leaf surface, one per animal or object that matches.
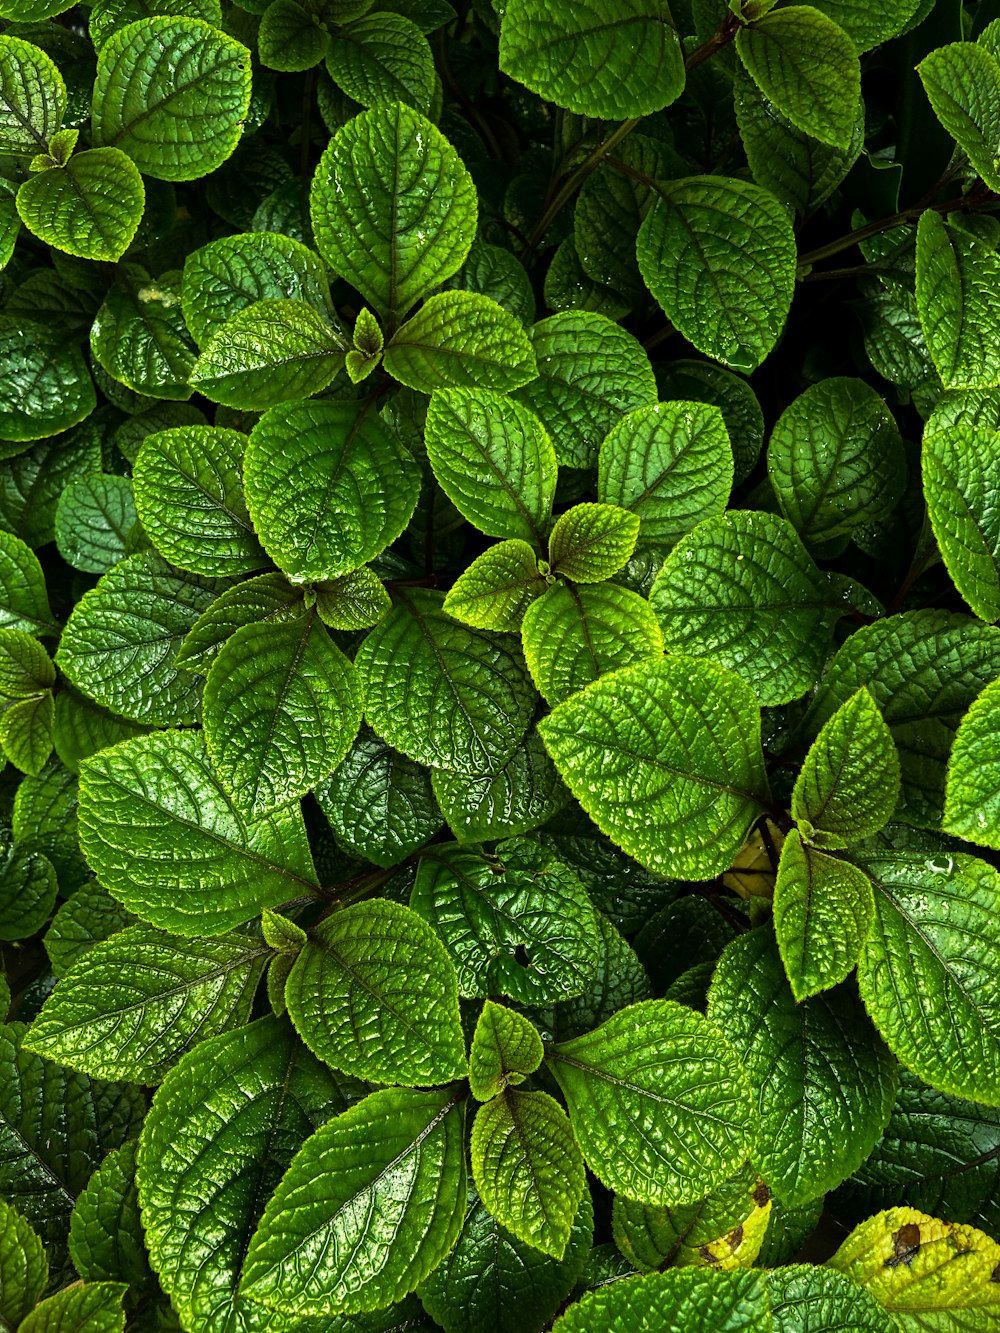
(497, 588)
(505, 1047)
(32, 97)
(665, 757)
(972, 796)
(24, 602)
(958, 467)
(29, 892)
(24, 1269)
(692, 1299)
(44, 383)
(520, 797)
(382, 58)
(591, 542)
(807, 1298)
(106, 1240)
(90, 915)
(94, 517)
(139, 336)
(958, 299)
(461, 340)
(962, 82)
(93, 1307)
(267, 599)
(91, 207)
(164, 838)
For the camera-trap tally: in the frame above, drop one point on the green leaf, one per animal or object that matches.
(823, 1083)
(174, 129)
(25, 666)
(189, 498)
(527, 1167)
(519, 923)
(94, 517)
(590, 542)
(822, 912)
(108, 16)
(608, 212)
(164, 838)
(923, 669)
(267, 353)
(808, 67)
(32, 97)
(496, 273)
(849, 783)
(590, 373)
(82, 727)
(835, 459)
(380, 1190)
(718, 254)
(26, 732)
(609, 59)
(306, 468)
(354, 601)
(139, 336)
(694, 1299)
(665, 758)
(807, 1298)
(497, 587)
(373, 993)
(106, 1239)
(24, 602)
(92, 1307)
(91, 207)
(282, 706)
(972, 797)
(24, 1269)
(925, 968)
(741, 589)
(29, 892)
(522, 796)
(669, 1075)
(958, 466)
(45, 820)
(90, 915)
(962, 83)
(223, 1126)
(227, 275)
(380, 804)
(31, 484)
(671, 464)
(268, 599)
(393, 208)
(461, 340)
(505, 1047)
(137, 1001)
(958, 299)
(383, 58)
(445, 695)
(45, 386)
(293, 36)
(870, 25)
(119, 644)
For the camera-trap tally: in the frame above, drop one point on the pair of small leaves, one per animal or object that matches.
(27, 676)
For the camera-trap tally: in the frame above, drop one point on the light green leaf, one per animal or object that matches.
(29, 889)
(380, 804)
(962, 83)
(445, 695)
(189, 497)
(494, 460)
(666, 1072)
(590, 542)
(519, 924)
(958, 299)
(91, 207)
(24, 602)
(393, 208)
(959, 464)
(522, 796)
(461, 340)
(139, 336)
(383, 58)
(870, 25)
(972, 796)
(282, 706)
(849, 783)
(90, 915)
(94, 517)
(91, 1307)
(32, 97)
(808, 67)
(665, 758)
(328, 485)
(527, 1167)
(108, 16)
(137, 1001)
(610, 59)
(267, 353)
(822, 912)
(354, 601)
(268, 599)
(719, 256)
(119, 644)
(160, 832)
(505, 1048)
(835, 459)
(671, 464)
(497, 587)
(696, 1300)
(590, 373)
(174, 129)
(45, 386)
(823, 1082)
(741, 588)
(925, 970)
(26, 732)
(24, 1269)
(223, 1126)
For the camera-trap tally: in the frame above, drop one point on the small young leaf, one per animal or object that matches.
(294, 36)
(26, 732)
(461, 340)
(383, 58)
(962, 83)
(958, 467)
(505, 1047)
(589, 543)
(958, 298)
(353, 602)
(497, 588)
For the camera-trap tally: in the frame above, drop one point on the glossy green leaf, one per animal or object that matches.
(90, 915)
(306, 468)
(590, 542)
(24, 602)
(461, 340)
(495, 272)
(91, 207)
(519, 923)
(107, 16)
(373, 993)
(958, 465)
(972, 796)
(32, 97)
(823, 1083)
(293, 36)
(160, 832)
(29, 892)
(665, 758)
(808, 1298)
(725, 286)
(505, 1047)
(92, 1307)
(354, 601)
(962, 83)
(590, 373)
(94, 517)
(693, 1299)
(667, 1073)
(497, 587)
(268, 599)
(82, 727)
(383, 58)
(441, 693)
(119, 644)
(44, 383)
(25, 666)
(44, 819)
(393, 208)
(741, 589)
(520, 797)
(868, 26)
(607, 60)
(398, 1157)
(24, 1269)
(26, 732)
(174, 130)
(609, 208)
(958, 299)
(106, 1239)
(32, 483)
(139, 336)
(267, 353)
(137, 1001)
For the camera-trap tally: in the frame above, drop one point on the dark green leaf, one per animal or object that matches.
(958, 299)
(93, 520)
(44, 383)
(383, 58)
(24, 1269)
